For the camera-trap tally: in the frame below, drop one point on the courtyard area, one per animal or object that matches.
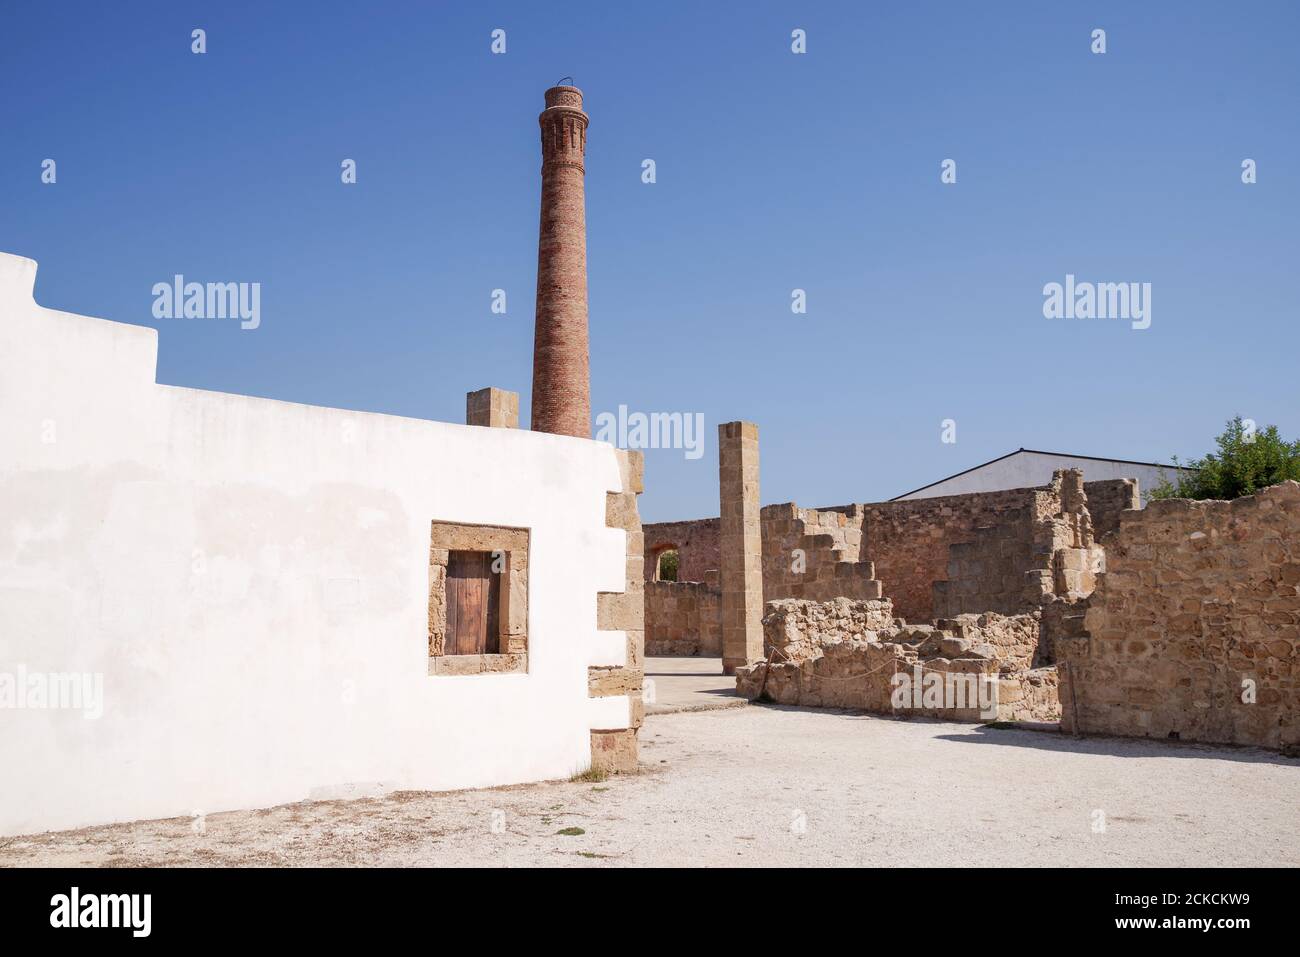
(764, 785)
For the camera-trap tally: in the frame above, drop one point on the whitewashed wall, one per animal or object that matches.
(250, 579)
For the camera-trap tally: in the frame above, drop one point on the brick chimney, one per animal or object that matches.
(561, 376)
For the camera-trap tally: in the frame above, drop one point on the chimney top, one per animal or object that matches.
(564, 96)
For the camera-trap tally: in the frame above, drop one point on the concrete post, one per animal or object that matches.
(741, 558)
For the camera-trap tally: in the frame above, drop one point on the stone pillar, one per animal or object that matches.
(615, 749)
(496, 408)
(741, 558)
(561, 378)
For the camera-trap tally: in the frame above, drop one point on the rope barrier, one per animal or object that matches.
(767, 664)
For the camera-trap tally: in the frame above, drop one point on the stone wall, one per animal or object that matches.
(855, 654)
(909, 541)
(1003, 551)
(988, 573)
(683, 618)
(1106, 500)
(795, 630)
(1199, 607)
(1015, 641)
(814, 554)
(806, 553)
(696, 542)
(1026, 558)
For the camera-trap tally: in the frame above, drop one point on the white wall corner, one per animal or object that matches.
(613, 560)
(608, 650)
(17, 280)
(609, 714)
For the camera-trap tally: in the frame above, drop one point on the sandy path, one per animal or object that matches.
(764, 785)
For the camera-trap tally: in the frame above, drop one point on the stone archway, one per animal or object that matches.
(665, 563)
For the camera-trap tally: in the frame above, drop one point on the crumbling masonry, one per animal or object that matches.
(1009, 593)
(1193, 632)
(1178, 621)
(1007, 552)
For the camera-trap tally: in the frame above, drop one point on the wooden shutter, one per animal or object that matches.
(473, 593)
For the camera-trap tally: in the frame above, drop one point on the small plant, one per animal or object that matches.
(1247, 461)
(570, 831)
(668, 563)
(590, 776)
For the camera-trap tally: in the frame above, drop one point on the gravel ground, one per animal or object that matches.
(767, 785)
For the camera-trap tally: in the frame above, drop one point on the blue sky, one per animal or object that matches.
(775, 171)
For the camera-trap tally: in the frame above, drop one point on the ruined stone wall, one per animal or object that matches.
(1199, 603)
(683, 618)
(982, 549)
(988, 572)
(697, 544)
(851, 654)
(909, 541)
(1107, 499)
(1030, 696)
(1028, 557)
(806, 553)
(795, 629)
(814, 554)
(1013, 640)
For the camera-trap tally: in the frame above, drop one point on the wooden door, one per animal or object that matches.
(472, 597)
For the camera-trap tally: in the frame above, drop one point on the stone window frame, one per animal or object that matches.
(447, 537)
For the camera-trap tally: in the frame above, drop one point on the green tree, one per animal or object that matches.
(668, 566)
(1246, 462)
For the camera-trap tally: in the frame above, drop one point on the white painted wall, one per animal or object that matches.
(1032, 469)
(250, 577)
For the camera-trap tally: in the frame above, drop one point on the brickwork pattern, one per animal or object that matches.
(561, 400)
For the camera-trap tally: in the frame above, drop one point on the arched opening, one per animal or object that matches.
(666, 563)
